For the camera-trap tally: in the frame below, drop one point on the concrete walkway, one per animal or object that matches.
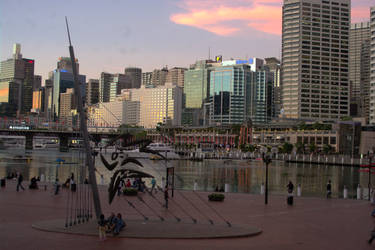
(312, 223)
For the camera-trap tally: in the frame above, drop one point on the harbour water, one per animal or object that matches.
(241, 175)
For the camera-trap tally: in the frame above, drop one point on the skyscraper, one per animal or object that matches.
(62, 80)
(37, 82)
(372, 66)
(315, 37)
(135, 75)
(146, 78)
(92, 92)
(273, 65)
(159, 76)
(16, 84)
(227, 95)
(176, 76)
(110, 85)
(359, 69)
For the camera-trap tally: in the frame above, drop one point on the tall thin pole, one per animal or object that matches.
(83, 129)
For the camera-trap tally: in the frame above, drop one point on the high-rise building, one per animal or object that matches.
(37, 82)
(48, 93)
(16, 84)
(196, 89)
(146, 78)
(110, 85)
(273, 65)
(38, 100)
(162, 104)
(135, 75)
(63, 80)
(227, 95)
(372, 66)
(92, 92)
(359, 69)
(315, 80)
(68, 108)
(113, 114)
(176, 76)
(159, 76)
(259, 96)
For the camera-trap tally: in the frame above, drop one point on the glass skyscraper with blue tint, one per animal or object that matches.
(63, 80)
(227, 96)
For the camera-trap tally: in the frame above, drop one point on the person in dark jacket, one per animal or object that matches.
(19, 182)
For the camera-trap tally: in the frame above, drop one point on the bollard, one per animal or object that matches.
(227, 188)
(299, 190)
(345, 192)
(262, 188)
(358, 192)
(195, 186)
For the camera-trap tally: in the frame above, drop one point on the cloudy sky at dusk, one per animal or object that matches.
(113, 34)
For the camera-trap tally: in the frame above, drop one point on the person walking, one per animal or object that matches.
(153, 183)
(102, 225)
(19, 182)
(57, 186)
(290, 187)
(329, 189)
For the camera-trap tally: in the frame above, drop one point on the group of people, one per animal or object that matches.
(33, 182)
(138, 184)
(113, 224)
(290, 188)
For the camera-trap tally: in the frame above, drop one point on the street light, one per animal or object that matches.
(266, 159)
(370, 155)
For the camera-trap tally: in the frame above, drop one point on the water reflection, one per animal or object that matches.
(242, 176)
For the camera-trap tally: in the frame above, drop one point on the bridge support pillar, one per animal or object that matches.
(64, 143)
(29, 142)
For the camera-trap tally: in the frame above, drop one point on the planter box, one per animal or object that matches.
(216, 197)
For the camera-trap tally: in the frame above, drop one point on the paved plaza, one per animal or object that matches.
(312, 223)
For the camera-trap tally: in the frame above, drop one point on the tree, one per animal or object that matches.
(286, 148)
(300, 147)
(327, 148)
(312, 147)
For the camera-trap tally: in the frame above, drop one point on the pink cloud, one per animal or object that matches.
(226, 17)
(218, 17)
(360, 14)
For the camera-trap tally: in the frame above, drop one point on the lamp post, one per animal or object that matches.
(267, 160)
(370, 155)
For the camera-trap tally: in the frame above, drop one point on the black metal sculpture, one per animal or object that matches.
(123, 173)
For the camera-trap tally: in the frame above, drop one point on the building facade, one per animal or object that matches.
(113, 114)
(146, 78)
(227, 95)
(274, 66)
(176, 76)
(16, 84)
(135, 74)
(92, 92)
(162, 104)
(159, 76)
(110, 85)
(372, 66)
(315, 37)
(359, 69)
(63, 80)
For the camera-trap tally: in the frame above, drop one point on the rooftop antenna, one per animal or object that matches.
(83, 129)
(209, 53)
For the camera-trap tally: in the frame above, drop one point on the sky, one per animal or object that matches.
(109, 35)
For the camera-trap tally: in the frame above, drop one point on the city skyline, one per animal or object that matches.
(173, 33)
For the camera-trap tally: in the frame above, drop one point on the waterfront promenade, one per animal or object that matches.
(312, 223)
